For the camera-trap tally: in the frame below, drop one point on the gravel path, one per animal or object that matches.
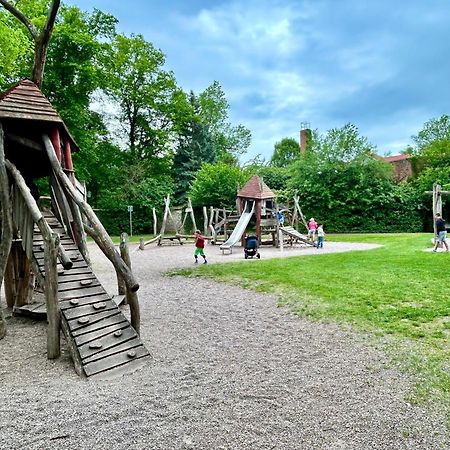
(230, 371)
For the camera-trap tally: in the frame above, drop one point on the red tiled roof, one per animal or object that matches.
(396, 157)
(256, 188)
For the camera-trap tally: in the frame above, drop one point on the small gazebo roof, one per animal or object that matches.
(255, 188)
(25, 101)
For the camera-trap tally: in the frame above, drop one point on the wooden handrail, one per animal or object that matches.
(51, 245)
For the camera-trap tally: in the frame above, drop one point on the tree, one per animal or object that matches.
(41, 38)
(15, 46)
(217, 185)
(342, 183)
(285, 152)
(74, 74)
(230, 142)
(340, 145)
(196, 148)
(150, 105)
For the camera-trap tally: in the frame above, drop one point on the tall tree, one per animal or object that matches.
(40, 38)
(285, 152)
(195, 148)
(230, 141)
(149, 102)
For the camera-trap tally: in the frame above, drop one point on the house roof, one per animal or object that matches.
(395, 158)
(255, 188)
(25, 101)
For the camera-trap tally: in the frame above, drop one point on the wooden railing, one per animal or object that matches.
(91, 224)
(25, 214)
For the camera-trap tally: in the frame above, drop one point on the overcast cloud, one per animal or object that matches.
(382, 65)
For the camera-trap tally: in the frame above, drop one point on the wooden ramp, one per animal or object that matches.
(293, 233)
(101, 340)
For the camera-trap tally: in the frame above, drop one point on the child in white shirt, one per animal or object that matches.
(320, 236)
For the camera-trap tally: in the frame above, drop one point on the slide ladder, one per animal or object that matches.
(100, 338)
(293, 233)
(239, 230)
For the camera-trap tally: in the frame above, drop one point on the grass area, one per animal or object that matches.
(398, 291)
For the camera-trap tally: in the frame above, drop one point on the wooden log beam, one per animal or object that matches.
(64, 258)
(25, 142)
(98, 232)
(155, 223)
(6, 222)
(132, 298)
(150, 241)
(51, 243)
(205, 221)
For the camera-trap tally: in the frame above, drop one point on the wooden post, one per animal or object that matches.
(191, 211)
(121, 288)
(6, 223)
(155, 223)
(10, 278)
(68, 160)
(205, 221)
(56, 142)
(141, 244)
(25, 279)
(211, 216)
(166, 214)
(225, 224)
(258, 219)
(126, 258)
(51, 243)
(132, 298)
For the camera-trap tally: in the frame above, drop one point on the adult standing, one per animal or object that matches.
(441, 232)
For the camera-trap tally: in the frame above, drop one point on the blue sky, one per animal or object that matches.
(382, 65)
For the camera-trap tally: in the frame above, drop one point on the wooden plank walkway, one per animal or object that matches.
(293, 233)
(102, 341)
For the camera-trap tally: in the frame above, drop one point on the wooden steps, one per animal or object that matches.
(101, 340)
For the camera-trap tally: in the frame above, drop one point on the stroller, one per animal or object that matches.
(251, 247)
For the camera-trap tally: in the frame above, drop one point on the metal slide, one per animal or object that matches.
(238, 230)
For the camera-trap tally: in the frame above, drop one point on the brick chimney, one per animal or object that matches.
(305, 135)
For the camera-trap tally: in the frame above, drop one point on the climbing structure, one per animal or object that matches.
(49, 244)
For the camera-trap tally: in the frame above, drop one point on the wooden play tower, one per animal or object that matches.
(45, 246)
(257, 192)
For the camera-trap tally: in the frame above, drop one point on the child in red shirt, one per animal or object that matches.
(199, 247)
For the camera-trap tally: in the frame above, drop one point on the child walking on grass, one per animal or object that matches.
(199, 247)
(320, 236)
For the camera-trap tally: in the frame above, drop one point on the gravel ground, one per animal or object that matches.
(230, 370)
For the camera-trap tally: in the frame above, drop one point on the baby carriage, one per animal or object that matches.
(251, 247)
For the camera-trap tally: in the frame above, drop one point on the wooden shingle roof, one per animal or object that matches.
(26, 101)
(255, 188)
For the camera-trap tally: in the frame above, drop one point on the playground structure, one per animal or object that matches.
(258, 199)
(228, 228)
(48, 244)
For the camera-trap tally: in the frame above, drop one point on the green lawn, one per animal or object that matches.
(398, 291)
